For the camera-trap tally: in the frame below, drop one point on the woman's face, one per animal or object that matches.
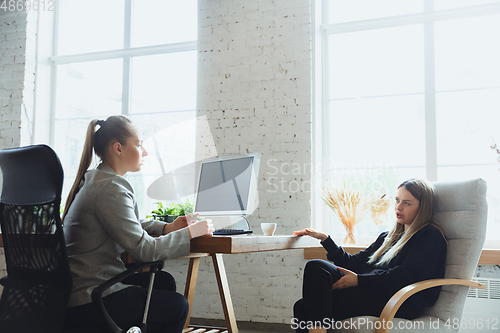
(406, 207)
(133, 153)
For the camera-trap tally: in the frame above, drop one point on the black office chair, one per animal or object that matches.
(38, 285)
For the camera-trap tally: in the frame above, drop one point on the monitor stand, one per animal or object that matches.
(238, 228)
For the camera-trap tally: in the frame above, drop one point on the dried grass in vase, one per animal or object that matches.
(349, 205)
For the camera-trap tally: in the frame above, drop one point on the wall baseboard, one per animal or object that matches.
(244, 325)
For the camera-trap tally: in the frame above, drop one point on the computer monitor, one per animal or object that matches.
(227, 185)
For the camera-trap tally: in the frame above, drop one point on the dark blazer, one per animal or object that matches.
(423, 257)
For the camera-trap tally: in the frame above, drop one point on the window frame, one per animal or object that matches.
(49, 59)
(321, 85)
(126, 53)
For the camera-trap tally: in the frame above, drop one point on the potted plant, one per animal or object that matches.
(170, 213)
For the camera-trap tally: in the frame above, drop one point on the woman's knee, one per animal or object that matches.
(183, 309)
(168, 308)
(316, 266)
(165, 281)
(321, 270)
(181, 303)
(184, 304)
(298, 309)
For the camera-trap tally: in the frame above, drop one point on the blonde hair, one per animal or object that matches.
(114, 129)
(397, 238)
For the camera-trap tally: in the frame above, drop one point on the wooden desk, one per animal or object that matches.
(249, 243)
(216, 246)
(488, 256)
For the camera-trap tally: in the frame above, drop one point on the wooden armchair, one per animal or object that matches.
(461, 210)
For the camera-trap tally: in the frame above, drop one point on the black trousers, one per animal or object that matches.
(320, 302)
(167, 312)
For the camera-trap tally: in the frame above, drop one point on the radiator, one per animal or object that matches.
(482, 308)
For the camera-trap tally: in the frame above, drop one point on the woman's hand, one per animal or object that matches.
(192, 218)
(200, 228)
(311, 232)
(350, 279)
(180, 223)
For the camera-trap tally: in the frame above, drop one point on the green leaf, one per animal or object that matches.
(180, 209)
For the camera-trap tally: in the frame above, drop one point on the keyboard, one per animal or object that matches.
(227, 232)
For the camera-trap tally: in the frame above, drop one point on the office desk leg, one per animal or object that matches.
(192, 275)
(225, 295)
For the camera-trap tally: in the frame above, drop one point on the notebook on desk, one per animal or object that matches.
(227, 186)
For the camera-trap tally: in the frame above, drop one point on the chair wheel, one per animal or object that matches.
(134, 329)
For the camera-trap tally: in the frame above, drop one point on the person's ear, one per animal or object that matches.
(117, 148)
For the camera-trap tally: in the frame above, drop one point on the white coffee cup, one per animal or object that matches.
(268, 228)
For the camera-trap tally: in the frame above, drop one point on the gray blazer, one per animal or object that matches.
(102, 223)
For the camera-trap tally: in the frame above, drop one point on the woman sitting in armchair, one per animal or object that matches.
(361, 284)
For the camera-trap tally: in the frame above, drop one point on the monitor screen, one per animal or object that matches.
(227, 185)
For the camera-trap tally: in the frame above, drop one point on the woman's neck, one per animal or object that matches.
(115, 169)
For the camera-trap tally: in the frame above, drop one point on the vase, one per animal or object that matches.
(165, 218)
(349, 227)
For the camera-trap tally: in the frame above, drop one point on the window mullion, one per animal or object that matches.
(127, 29)
(430, 98)
(53, 74)
(320, 136)
(126, 88)
(410, 19)
(325, 123)
(133, 52)
(127, 60)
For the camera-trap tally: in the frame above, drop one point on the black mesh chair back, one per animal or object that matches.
(36, 291)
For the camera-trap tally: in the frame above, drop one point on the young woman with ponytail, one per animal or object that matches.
(361, 284)
(101, 221)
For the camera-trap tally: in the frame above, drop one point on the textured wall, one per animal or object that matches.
(17, 77)
(12, 49)
(254, 87)
(17, 82)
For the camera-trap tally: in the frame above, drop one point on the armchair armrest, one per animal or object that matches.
(402, 295)
(99, 290)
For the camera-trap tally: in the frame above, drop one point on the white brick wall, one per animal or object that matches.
(17, 77)
(254, 86)
(29, 61)
(17, 82)
(12, 47)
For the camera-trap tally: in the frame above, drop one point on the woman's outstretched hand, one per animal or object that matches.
(311, 232)
(350, 279)
(192, 218)
(180, 223)
(200, 228)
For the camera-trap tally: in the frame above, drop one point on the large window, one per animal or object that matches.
(130, 57)
(412, 89)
